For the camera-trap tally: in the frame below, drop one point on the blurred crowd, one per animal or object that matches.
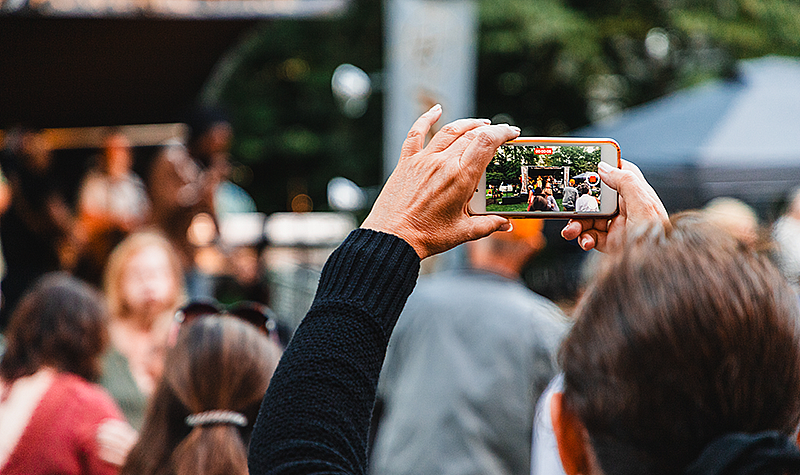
(118, 356)
(102, 298)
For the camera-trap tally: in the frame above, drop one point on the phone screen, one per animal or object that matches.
(545, 178)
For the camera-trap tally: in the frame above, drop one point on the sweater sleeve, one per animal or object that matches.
(315, 415)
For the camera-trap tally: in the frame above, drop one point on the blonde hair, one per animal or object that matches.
(122, 254)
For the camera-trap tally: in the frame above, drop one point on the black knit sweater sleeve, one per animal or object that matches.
(315, 415)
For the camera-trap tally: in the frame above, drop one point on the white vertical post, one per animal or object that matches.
(431, 57)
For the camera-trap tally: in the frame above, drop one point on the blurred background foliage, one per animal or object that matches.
(548, 66)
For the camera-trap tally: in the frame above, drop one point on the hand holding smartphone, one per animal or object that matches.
(548, 177)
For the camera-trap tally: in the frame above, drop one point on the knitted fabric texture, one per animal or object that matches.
(316, 413)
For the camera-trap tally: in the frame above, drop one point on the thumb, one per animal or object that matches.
(482, 226)
(641, 201)
(631, 187)
(611, 176)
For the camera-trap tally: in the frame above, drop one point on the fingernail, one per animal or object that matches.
(604, 166)
(506, 227)
(584, 242)
(516, 129)
(486, 121)
(435, 108)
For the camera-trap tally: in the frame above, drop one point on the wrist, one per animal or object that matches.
(396, 230)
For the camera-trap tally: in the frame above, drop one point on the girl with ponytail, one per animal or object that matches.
(204, 407)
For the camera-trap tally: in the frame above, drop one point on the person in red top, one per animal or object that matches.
(52, 418)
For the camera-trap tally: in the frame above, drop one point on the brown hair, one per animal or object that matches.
(218, 363)
(539, 203)
(120, 257)
(683, 337)
(61, 322)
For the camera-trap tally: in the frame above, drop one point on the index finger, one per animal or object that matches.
(483, 142)
(451, 132)
(415, 139)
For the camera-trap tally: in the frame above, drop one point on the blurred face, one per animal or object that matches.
(218, 139)
(118, 156)
(148, 283)
(37, 150)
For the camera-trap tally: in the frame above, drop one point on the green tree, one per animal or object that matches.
(549, 66)
(289, 130)
(554, 65)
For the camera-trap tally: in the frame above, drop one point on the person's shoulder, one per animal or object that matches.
(525, 305)
(135, 179)
(76, 392)
(94, 173)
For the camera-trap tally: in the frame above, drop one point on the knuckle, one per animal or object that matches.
(413, 134)
(627, 177)
(449, 129)
(484, 139)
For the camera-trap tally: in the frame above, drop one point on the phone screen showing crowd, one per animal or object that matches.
(544, 178)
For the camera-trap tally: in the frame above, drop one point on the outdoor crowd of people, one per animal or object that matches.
(580, 197)
(683, 355)
(92, 352)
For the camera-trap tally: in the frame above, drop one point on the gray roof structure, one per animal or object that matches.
(736, 137)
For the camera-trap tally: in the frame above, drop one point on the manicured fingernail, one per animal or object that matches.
(604, 166)
(506, 227)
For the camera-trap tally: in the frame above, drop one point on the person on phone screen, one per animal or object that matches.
(586, 202)
(552, 204)
(570, 195)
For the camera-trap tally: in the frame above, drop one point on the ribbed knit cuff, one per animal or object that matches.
(371, 269)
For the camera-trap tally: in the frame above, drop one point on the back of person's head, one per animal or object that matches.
(60, 323)
(205, 405)
(735, 217)
(583, 188)
(539, 203)
(684, 338)
(793, 205)
(210, 133)
(507, 252)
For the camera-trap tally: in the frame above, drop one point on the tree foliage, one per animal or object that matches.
(288, 129)
(554, 65)
(548, 66)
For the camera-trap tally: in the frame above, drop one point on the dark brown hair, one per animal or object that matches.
(539, 203)
(61, 322)
(218, 363)
(684, 336)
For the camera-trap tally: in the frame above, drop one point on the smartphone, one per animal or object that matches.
(548, 177)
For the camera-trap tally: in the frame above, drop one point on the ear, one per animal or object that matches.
(570, 436)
